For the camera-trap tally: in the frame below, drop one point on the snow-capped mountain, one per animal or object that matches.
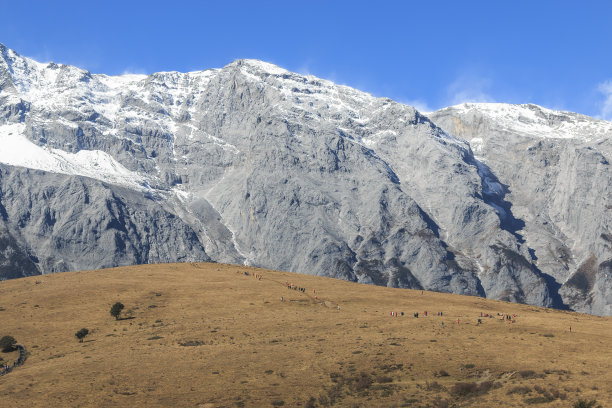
(254, 164)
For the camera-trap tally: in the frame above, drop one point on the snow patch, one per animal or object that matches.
(18, 151)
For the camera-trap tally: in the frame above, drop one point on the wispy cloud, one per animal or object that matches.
(469, 88)
(134, 71)
(419, 104)
(606, 109)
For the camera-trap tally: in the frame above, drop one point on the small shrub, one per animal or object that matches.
(442, 373)
(81, 334)
(7, 343)
(192, 343)
(433, 386)
(361, 383)
(278, 403)
(468, 366)
(586, 404)
(116, 309)
(540, 399)
(527, 374)
(382, 379)
(548, 335)
(334, 393)
(520, 389)
(462, 389)
(310, 403)
(440, 403)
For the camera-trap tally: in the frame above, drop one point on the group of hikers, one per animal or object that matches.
(287, 284)
(415, 314)
(501, 316)
(295, 287)
(303, 290)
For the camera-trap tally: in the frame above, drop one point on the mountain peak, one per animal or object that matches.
(532, 120)
(259, 66)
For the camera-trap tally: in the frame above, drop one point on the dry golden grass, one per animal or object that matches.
(206, 335)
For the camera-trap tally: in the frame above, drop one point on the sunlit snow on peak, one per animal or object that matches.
(18, 151)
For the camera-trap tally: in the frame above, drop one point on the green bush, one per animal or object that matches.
(116, 309)
(81, 334)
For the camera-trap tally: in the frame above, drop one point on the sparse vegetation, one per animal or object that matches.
(586, 404)
(383, 379)
(7, 344)
(527, 374)
(361, 382)
(463, 389)
(116, 310)
(311, 403)
(519, 389)
(81, 334)
(192, 343)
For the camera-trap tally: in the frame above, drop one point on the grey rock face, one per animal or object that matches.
(73, 223)
(253, 164)
(555, 172)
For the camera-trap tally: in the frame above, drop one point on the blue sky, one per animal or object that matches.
(430, 54)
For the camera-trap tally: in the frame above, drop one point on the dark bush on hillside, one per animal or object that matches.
(586, 404)
(7, 343)
(81, 334)
(384, 379)
(116, 309)
(462, 389)
(519, 389)
(527, 373)
(362, 382)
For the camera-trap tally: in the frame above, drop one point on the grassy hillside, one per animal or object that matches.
(208, 335)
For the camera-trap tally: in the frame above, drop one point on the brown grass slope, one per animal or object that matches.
(207, 335)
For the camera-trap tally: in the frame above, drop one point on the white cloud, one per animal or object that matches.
(469, 88)
(606, 89)
(134, 71)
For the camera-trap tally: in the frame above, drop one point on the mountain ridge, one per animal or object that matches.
(275, 169)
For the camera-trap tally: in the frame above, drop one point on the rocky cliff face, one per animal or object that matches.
(254, 164)
(555, 172)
